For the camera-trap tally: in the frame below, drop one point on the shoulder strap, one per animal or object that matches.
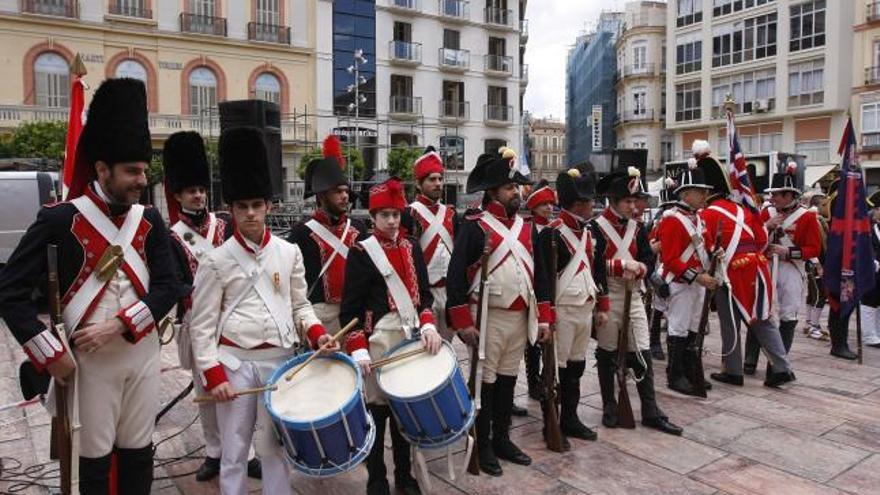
(436, 225)
(396, 288)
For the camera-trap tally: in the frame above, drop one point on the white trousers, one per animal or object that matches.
(683, 311)
(573, 327)
(237, 420)
(208, 418)
(607, 334)
(789, 291)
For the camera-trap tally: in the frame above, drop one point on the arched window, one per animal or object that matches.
(133, 69)
(268, 87)
(51, 80)
(202, 90)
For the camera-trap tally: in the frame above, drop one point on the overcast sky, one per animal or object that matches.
(553, 27)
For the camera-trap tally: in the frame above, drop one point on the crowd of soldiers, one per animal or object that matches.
(245, 300)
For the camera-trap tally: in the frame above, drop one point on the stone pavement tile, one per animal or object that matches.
(838, 368)
(741, 476)
(797, 453)
(683, 410)
(720, 429)
(777, 413)
(838, 386)
(863, 478)
(677, 454)
(861, 435)
(829, 404)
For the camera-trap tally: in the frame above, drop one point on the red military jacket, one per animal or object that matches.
(799, 232)
(682, 255)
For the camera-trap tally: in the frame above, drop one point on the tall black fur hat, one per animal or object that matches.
(185, 161)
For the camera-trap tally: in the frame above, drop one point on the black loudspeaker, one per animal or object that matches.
(265, 116)
(636, 157)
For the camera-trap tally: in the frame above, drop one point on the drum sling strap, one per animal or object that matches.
(396, 288)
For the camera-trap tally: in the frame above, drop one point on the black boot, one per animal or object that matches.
(533, 371)
(752, 353)
(501, 443)
(134, 469)
(377, 482)
(94, 475)
(656, 345)
(606, 367)
(676, 378)
(691, 358)
(652, 416)
(209, 469)
(570, 394)
(488, 462)
(839, 329)
(255, 469)
(403, 478)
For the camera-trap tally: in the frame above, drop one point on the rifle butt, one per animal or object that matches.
(473, 466)
(625, 417)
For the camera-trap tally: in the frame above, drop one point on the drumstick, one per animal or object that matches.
(247, 391)
(333, 338)
(399, 357)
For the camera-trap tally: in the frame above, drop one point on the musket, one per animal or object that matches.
(550, 377)
(478, 355)
(61, 442)
(697, 376)
(625, 417)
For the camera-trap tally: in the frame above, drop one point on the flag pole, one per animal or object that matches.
(859, 331)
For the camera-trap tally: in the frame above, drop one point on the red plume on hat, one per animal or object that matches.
(388, 194)
(332, 148)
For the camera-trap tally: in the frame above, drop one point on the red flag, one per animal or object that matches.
(74, 128)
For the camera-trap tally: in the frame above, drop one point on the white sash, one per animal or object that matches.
(339, 247)
(275, 300)
(200, 245)
(75, 309)
(509, 244)
(439, 261)
(739, 225)
(396, 288)
(787, 223)
(621, 245)
(579, 256)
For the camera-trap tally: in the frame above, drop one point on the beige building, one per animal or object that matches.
(787, 63)
(866, 86)
(190, 53)
(548, 149)
(640, 82)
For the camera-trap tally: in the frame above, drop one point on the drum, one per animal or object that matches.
(428, 395)
(320, 415)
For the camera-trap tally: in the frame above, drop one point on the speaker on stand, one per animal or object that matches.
(265, 116)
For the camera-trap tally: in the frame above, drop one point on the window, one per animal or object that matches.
(497, 46)
(493, 145)
(639, 142)
(402, 31)
(202, 7)
(554, 161)
(687, 101)
(640, 55)
(132, 69)
(545, 162)
(452, 152)
(807, 25)
(689, 12)
(202, 91)
(816, 151)
(751, 90)
(640, 101)
(451, 39)
(401, 86)
(752, 144)
(497, 95)
(267, 12)
(546, 142)
(724, 7)
(51, 80)
(806, 84)
(267, 87)
(666, 149)
(555, 143)
(688, 57)
(133, 8)
(871, 117)
(751, 39)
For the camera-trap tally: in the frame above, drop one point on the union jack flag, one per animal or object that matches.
(742, 190)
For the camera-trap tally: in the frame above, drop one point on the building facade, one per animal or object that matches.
(547, 138)
(444, 73)
(589, 84)
(190, 54)
(866, 87)
(640, 82)
(781, 60)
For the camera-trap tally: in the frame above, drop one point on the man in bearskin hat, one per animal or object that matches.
(387, 289)
(195, 231)
(746, 295)
(660, 288)
(684, 265)
(514, 315)
(249, 292)
(434, 225)
(794, 239)
(118, 281)
(326, 238)
(628, 258)
(572, 290)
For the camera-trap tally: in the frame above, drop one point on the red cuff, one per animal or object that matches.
(314, 333)
(426, 317)
(43, 349)
(545, 313)
(603, 303)
(356, 340)
(213, 377)
(138, 319)
(460, 317)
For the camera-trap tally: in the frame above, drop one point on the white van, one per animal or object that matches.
(21, 196)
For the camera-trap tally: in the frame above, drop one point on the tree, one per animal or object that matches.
(155, 170)
(352, 157)
(38, 140)
(400, 161)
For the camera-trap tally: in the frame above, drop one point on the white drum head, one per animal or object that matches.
(322, 388)
(416, 375)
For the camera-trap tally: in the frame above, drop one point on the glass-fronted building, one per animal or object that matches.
(354, 27)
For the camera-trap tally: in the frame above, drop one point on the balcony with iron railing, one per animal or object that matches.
(523, 30)
(404, 5)
(270, 33)
(202, 24)
(872, 13)
(870, 141)
(498, 65)
(405, 52)
(498, 115)
(60, 8)
(405, 107)
(454, 9)
(453, 60)
(630, 116)
(498, 17)
(872, 75)
(636, 70)
(125, 10)
(454, 110)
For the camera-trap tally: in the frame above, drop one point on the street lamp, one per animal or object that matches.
(359, 99)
